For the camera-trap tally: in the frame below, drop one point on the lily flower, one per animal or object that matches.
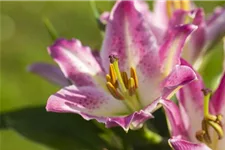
(210, 29)
(198, 123)
(121, 85)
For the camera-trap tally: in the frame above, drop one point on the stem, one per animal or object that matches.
(51, 30)
(151, 136)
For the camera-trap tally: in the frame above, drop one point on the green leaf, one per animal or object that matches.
(59, 131)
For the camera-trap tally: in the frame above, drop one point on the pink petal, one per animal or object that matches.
(160, 14)
(150, 75)
(218, 98)
(128, 35)
(76, 61)
(50, 73)
(170, 51)
(195, 44)
(190, 99)
(179, 144)
(104, 17)
(88, 100)
(173, 114)
(180, 76)
(135, 120)
(93, 103)
(198, 38)
(215, 27)
(224, 54)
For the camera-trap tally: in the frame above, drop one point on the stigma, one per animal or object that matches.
(118, 83)
(210, 121)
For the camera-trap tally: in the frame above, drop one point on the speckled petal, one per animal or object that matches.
(92, 103)
(170, 51)
(76, 61)
(50, 73)
(87, 100)
(179, 144)
(151, 72)
(128, 35)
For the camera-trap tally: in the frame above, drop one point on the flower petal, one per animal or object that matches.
(190, 99)
(197, 40)
(160, 14)
(128, 35)
(170, 51)
(150, 75)
(92, 103)
(88, 100)
(173, 114)
(180, 75)
(179, 144)
(76, 61)
(158, 20)
(215, 27)
(49, 72)
(133, 121)
(224, 54)
(104, 17)
(218, 98)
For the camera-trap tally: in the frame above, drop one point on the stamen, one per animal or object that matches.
(131, 86)
(217, 128)
(205, 128)
(113, 91)
(177, 4)
(200, 135)
(169, 8)
(108, 78)
(133, 75)
(185, 4)
(172, 5)
(114, 62)
(112, 73)
(121, 86)
(125, 79)
(209, 120)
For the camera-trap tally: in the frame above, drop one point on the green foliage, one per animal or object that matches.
(60, 131)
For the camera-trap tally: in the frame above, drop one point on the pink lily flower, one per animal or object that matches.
(132, 74)
(198, 123)
(210, 29)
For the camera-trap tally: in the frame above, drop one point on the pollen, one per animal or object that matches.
(118, 82)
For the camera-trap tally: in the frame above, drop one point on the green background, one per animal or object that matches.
(24, 39)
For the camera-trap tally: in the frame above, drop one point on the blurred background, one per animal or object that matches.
(23, 41)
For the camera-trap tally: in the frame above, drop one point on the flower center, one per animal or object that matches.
(213, 121)
(121, 86)
(172, 5)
